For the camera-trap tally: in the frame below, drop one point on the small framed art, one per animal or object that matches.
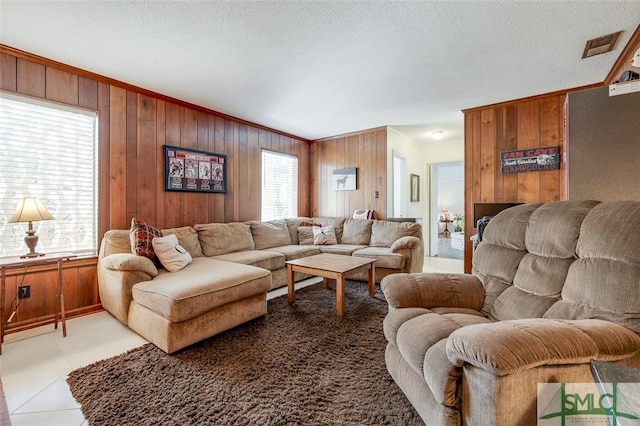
(415, 187)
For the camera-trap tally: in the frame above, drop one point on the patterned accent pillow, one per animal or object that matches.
(324, 235)
(142, 235)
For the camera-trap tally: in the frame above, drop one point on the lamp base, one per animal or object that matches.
(32, 255)
(31, 240)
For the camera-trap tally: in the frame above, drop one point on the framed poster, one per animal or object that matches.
(191, 170)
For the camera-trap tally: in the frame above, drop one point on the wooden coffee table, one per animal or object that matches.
(334, 266)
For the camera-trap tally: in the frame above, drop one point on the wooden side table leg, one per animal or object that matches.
(372, 280)
(340, 294)
(291, 285)
(61, 300)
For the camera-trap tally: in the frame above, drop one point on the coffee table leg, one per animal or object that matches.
(372, 280)
(291, 285)
(325, 282)
(340, 295)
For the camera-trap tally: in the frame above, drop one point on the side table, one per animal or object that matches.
(27, 262)
(446, 233)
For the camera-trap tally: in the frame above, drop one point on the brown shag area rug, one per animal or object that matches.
(298, 365)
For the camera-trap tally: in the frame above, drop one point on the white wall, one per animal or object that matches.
(401, 146)
(419, 158)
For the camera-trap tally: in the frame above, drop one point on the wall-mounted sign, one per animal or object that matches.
(530, 160)
(192, 170)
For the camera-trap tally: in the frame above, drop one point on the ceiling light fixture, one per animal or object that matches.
(438, 134)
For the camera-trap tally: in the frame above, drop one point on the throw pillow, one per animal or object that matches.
(363, 214)
(324, 235)
(305, 235)
(171, 254)
(142, 235)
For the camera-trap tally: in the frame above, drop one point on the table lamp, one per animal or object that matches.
(30, 209)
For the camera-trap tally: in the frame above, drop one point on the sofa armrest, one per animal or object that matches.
(413, 251)
(405, 243)
(429, 290)
(129, 262)
(508, 347)
(117, 274)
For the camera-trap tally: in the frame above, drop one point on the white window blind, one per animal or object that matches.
(48, 151)
(279, 185)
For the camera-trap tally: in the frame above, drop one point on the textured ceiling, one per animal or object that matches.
(322, 68)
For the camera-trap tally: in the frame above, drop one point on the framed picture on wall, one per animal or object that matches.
(192, 170)
(345, 179)
(415, 187)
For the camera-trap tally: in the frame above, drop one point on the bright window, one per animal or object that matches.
(48, 151)
(279, 185)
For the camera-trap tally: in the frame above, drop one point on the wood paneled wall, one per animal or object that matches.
(528, 123)
(367, 151)
(133, 125)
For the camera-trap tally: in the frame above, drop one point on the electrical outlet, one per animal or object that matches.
(24, 291)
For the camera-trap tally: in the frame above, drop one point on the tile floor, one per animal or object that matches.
(34, 364)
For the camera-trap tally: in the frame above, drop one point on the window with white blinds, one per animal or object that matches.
(48, 151)
(279, 185)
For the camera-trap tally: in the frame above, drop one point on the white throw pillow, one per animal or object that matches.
(324, 235)
(171, 254)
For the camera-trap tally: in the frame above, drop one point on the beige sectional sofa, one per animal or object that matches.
(234, 265)
(552, 287)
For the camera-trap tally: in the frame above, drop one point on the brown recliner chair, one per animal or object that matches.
(553, 286)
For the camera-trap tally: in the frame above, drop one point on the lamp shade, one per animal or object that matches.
(30, 209)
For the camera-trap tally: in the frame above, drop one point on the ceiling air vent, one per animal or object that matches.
(600, 45)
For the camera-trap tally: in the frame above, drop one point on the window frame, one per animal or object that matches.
(292, 210)
(53, 234)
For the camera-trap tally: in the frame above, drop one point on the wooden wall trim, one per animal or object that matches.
(532, 98)
(622, 63)
(130, 87)
(346, 135)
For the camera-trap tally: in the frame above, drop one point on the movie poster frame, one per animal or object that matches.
(197, 184)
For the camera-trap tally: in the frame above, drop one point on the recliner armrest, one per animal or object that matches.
(508, 347)
(431, 290)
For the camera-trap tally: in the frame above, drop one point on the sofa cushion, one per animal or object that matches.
(356, 231)
(142, 234)
(344, 249)
(293, 224)
(202, 286)
(274, 233)
(384, 233)
(115, 241)
(171, 254)
(336, 222)
(305, 235)
(296, 252)
(325, 235)
(269, 260)
(221, 238)
(187, 238)
(384, 257)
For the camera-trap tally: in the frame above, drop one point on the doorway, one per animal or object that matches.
(447, 210)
